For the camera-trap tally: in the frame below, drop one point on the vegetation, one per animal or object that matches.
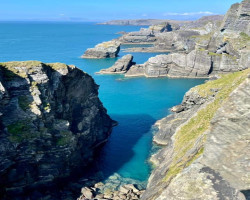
(24, 102)
(19, 68)
(192, 134)
(19, 131)
(65, 139)
(58, 66)
(214, 54)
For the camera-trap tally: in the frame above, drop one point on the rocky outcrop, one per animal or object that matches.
(205, 153)
(120, 67)
(104, 50)
(198, 63)
(51, 123)
(237, 18)
(181, 40)
(147, 35)
(144, 36)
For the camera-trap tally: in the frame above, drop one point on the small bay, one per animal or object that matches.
(136, 103)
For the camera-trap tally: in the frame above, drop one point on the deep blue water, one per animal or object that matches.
(136, 103)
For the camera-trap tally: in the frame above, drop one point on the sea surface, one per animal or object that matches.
(136, 103)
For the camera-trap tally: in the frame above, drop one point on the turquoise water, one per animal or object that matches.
(136, 103)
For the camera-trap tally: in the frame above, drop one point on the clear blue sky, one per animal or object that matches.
(102, 10)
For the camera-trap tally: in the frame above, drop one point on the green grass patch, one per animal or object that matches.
(65, 139)
(188, 135)
(214, 54)
(24, 102)
(19, 131)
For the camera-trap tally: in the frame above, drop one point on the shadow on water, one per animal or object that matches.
(119, 150)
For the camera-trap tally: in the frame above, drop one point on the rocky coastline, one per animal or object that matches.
(198, 49)
(50, 126)
(196, 140)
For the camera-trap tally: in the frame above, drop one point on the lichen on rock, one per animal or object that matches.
(41, 107)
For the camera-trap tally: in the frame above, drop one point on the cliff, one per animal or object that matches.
(195, 52)
(51, 122)
(206, 148)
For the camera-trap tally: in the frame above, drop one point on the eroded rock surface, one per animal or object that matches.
(205, 154)
(51, 122)
(104, 50)
(120, 67)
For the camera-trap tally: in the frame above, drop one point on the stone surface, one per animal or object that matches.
(237, 18)
(104, 50)
(120, 67)
(198, 63)
(52, 121)
(211, 161)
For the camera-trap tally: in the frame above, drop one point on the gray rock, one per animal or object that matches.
(87, 192)
(237, 18)
(221, 171)
(52, 121)
(104, 50)
(120, 67)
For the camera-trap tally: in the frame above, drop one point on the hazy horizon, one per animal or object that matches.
(97, 11)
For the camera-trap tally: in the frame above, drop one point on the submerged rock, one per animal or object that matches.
(52, 121)
(104, 50)
(120, 67)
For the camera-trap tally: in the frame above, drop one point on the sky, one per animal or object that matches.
(104, 10)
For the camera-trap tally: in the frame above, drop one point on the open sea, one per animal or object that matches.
(136, 103)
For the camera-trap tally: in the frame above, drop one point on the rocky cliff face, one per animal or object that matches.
(198, 63)
(237, 18)
(224, 48)
(121, 66)
(205, 153)
(51, 121)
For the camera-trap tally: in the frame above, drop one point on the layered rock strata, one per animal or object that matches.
(205, 153)
(104, 50)
(51, 123)
(198, 63)
(120, 67)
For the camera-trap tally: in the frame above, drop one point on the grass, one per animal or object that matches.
(58, 66)
(24, 102)
(65, 139)
(19, 131)
(188, 135)
(214, 54)
(19, 68)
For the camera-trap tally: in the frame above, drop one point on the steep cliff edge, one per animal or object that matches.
(51, 121)
(206, 153)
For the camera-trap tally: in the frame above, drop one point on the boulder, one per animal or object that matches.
(104, 50)
(120, 67)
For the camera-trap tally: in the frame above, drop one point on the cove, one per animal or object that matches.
(136, 103)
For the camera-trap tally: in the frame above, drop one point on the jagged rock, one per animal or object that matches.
(205, 161)
(104, 50)
(87, 192)
(120, 67)
(52, 121)
(237, 18)
(142, 36)
(181, 40)
(198, 63)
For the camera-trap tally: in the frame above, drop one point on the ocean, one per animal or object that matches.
(136, 103)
